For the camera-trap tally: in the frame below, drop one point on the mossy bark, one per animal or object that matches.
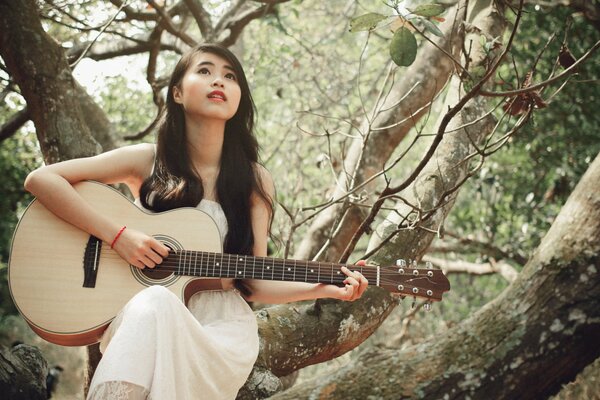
(23, 373)
(65, 117)
(535, 337)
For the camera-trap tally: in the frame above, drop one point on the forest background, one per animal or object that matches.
(332, 114)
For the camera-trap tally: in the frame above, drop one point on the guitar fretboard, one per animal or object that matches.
(219, 265)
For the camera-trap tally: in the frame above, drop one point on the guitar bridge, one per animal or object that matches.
(91, 260)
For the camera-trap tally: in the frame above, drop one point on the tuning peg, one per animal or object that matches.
(427, 306)
(429, 265)
(400, 263)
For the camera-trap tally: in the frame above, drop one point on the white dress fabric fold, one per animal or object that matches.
(156, 348)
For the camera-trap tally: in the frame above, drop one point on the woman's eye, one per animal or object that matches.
(203, 71)
(231, 76)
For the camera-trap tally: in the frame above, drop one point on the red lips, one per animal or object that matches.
(217, 94)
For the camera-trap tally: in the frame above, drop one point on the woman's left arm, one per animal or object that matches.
(273, 292)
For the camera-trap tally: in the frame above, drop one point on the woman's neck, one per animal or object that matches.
(205, 140)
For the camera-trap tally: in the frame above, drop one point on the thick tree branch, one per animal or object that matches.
(169, 26)
(108, 49)
(13, 124)
(202, 18)
(238, 22)
(457, 266)
(133, 14)
(468, 244)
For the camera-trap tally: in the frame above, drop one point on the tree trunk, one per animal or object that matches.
(536, 336)
(23, 373)
(55, 101)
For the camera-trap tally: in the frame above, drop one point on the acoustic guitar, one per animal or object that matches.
(69, 285)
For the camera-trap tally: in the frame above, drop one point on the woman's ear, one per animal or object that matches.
(177, 97)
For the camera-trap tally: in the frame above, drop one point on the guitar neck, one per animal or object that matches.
(218, 265)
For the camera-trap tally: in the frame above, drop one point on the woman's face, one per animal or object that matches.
(207, 74)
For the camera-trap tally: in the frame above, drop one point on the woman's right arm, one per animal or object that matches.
(52, 185)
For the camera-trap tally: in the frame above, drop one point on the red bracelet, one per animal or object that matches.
(117, 236)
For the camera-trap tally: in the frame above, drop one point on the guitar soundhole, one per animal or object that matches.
(153, 276)
(155, 273)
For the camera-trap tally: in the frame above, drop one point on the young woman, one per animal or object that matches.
(206, 156)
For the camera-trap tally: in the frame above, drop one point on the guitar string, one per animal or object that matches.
(269, 262)
(279, 266)
(325, 270)
(278, 275)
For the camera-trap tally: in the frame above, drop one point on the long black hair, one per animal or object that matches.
(175, 183)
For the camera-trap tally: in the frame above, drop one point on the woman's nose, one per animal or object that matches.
(218, 82)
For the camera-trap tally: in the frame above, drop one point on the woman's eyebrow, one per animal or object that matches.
(226, 66)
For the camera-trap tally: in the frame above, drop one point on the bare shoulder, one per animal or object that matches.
(142, 156)
(265, 179)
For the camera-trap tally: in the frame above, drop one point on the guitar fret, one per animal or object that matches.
(263, 270)
(182, 264)
(195, 263)
(273, 270)
(189, 264)
(306, 272)
(318, 272)
(221, 266)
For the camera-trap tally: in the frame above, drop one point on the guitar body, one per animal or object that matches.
(46, 272)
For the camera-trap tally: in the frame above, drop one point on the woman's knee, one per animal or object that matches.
(152, 300)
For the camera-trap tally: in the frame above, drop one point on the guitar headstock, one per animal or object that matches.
(405, 279)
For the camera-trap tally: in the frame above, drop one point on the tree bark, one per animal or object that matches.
(536, 336)
(23, 373)
(54, 100)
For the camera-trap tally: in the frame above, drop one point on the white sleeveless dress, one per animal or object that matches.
(157, 349)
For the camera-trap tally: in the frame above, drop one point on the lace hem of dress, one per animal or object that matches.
(119, 390)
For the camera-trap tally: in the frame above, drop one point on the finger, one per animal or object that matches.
(364, 283)
(160, 248)
(155, 257)
(360, 278)
(362, 263)
(138, 264)
(349, 292)
(351, 281)
(148, 262)
(348, 272)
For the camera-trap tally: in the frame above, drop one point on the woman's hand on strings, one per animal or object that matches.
(355, 285)
(139, 249)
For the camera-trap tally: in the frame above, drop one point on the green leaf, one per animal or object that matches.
(428, 10)
(403, 48)
(431, 27)
(366, 22)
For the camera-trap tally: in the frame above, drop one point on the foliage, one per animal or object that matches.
(403, 45)
(516, 195)
(18, 156)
